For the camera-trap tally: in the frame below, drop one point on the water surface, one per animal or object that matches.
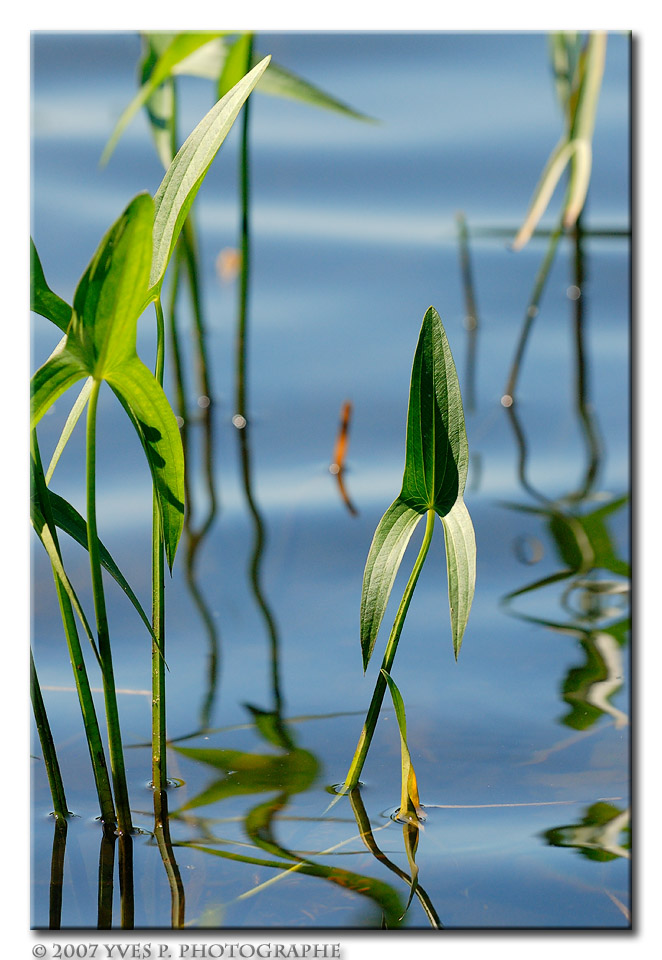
(521, 748)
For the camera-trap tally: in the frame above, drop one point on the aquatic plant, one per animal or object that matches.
(436, 463)
(125, 275)
(578, 71)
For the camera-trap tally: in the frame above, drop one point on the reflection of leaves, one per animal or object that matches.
(583, 542)
(363, 823)
(597, 835)
(247, 773)
(588, 689)
(376, 890)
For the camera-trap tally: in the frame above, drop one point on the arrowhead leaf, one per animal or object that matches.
(435, 473)
(101, 343)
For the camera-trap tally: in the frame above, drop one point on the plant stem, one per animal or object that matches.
(159, 773)
(90, 720)
(352, 779)
(47, 745)
(107, 673)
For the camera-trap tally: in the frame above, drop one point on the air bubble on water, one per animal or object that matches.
(334, 469)
(238, 421)
(573, 293)
(506, 400)
(180, 422)
(203, 401)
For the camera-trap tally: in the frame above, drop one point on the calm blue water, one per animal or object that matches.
(353, 237)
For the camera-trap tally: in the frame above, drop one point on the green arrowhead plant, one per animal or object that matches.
(99, 345)
(436, 463)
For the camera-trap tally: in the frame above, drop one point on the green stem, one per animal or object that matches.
(159, 773)
(47, 745)
(352, 779)
(107, 673)
(90, 720)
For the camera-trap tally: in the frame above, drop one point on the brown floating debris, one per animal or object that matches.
(337, 466)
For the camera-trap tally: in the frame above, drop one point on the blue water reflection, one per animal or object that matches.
(354, 236)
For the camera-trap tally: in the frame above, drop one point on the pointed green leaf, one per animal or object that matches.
(279, 82)
(149, 410)
(437, 451)
(67, 518)
(181, 46)
(208, 62)
(184, 177)
(42, 299)
(112, 292)
(68, 429)
(435, 474)
(461, 568)
(64, 367)
(386, 551)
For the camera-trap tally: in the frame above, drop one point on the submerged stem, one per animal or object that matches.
(107, 673)
(354, 772)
